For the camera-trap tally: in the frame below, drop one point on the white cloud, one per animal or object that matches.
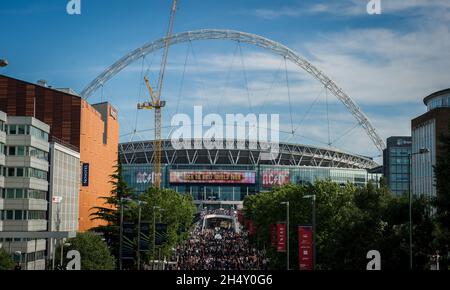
(353, 8)
(382, 68)
(273, 14)
(378, 66)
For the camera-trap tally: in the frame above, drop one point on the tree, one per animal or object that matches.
(442, 201)
(176, 210)
(94, 252)
(6, 263)
(350, 222)
(110, 213)
(178, 213)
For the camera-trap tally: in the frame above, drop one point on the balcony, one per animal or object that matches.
(23, 225)
(26, 182)
(27, 140)
(24, 247)
(2, 137)
(23, 204)
(26, 161)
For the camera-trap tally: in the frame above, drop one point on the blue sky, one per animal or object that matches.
(387, 63)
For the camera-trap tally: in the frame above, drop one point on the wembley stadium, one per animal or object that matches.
(221, 178)
(311, 106)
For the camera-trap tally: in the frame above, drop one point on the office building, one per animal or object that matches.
(396, 164)
(24, 186)
(64, 188)
(93, 130)
(426, 131)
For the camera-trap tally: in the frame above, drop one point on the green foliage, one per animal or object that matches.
(110, 211)
(6, 262)
(178, 211)
(442, 202)
(94, 252)
(350, 222)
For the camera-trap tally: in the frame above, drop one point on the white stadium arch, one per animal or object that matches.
(275, 47)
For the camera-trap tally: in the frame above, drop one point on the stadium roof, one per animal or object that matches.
(141, 152)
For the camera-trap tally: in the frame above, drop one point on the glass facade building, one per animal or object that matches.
(223, 177)
(426, 131)
(396, 164)
(228, 185)
(24, 170)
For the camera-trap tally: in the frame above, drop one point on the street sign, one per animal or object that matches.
(273, 234)
(128, 241)
(85, 174)
(160, 234)
(281, 237)
(57, 199)
(144, 243)
(305, 248)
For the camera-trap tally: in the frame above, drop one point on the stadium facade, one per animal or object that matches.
(223, 177)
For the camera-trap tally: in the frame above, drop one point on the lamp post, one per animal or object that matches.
(313, 199)
(63, 244)
(159, 249)
(122, 199)
(154, 235)
(421, 151)
(140, 203)
(18, 260)
(287, 233)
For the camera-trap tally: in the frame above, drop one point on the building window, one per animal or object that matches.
(11, 172)
(11, 151)
(36, 215)
(38, 133)
(36, 173)
(27, 130)
(19, 172)
(21, 130)
(39, 154)
(18, 215)
(36, 194)
(10, 193)
(20, 151)
(19, 193)
(9, 215)
(27, 151)
(12, 130)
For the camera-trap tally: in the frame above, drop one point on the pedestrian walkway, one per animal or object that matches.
(219, 249)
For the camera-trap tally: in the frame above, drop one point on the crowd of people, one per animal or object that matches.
(219, 249)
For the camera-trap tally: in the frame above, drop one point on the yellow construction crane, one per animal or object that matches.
(156, 102)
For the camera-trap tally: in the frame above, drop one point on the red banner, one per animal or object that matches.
(273, 234)
(305, 248)
(281, 237)
(250, 227)
(213, 177)
(240, 216)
